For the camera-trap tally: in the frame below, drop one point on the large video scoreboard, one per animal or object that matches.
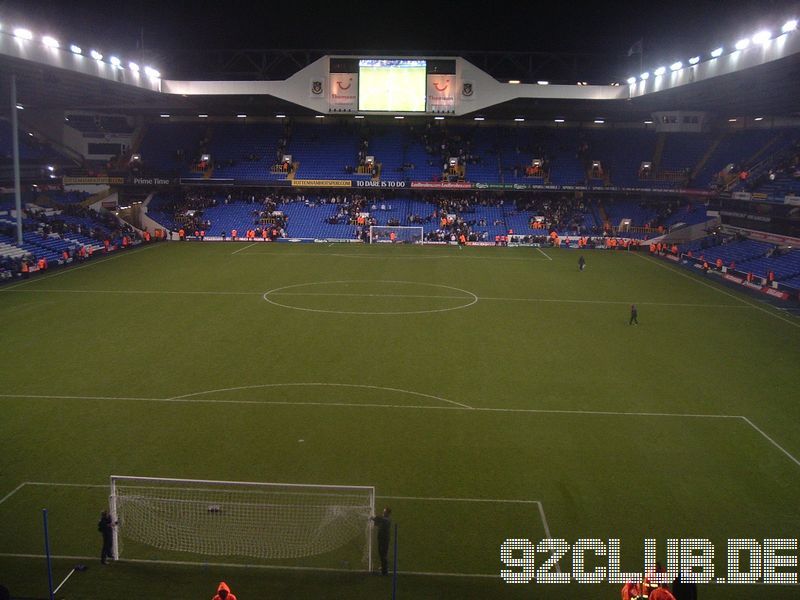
(392, 85)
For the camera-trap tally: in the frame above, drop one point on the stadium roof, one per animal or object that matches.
(767, 89)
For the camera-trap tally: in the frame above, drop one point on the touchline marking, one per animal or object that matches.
(243, 248)
(179, 563)
(547, 256)
(721, 291)
(64, 271)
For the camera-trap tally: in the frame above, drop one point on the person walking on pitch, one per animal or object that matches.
(634, 316)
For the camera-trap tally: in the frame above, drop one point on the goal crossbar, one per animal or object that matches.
(241, 518)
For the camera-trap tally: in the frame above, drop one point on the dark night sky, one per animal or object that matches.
(671, 30)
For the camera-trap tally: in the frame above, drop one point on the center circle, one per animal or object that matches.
(368, 291)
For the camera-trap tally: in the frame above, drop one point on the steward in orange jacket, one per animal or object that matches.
(224, 592)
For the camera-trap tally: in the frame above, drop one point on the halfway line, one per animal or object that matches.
(487, 298)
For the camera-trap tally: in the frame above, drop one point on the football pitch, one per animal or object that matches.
(486, 393)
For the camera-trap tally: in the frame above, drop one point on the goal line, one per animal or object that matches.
(537, 507)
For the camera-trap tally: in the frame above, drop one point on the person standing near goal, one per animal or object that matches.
(106, 527)
(384, 525)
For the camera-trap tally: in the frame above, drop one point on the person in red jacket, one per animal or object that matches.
(631, 590)
(224, 592)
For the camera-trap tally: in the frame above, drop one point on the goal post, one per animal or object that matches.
(267, 521)
(386, 234)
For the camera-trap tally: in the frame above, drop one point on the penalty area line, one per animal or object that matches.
(452, 405)
(243, 248)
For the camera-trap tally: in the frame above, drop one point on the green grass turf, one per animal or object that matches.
(488, 328)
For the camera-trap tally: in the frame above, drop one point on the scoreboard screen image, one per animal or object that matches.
(391, 85)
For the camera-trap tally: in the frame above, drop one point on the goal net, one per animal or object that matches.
(232, 518)
(384, 234)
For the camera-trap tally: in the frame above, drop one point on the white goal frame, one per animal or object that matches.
(298, 487)
(372, 229)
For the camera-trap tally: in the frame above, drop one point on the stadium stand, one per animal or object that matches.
(170, 148)
(30, 149)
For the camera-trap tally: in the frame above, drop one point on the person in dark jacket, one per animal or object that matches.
(384, 525)
(684, 591)
(106, 527)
